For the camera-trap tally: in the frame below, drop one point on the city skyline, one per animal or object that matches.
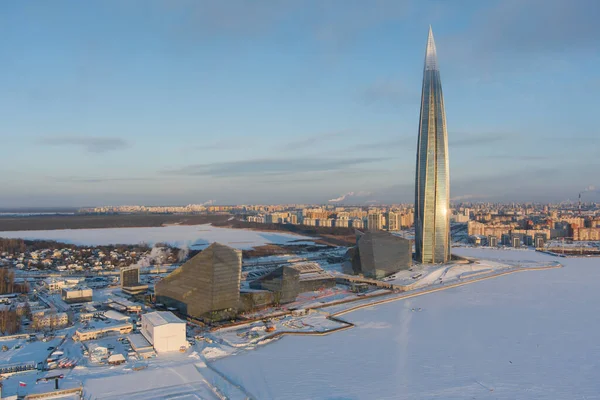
(432, 178)
(162, 102)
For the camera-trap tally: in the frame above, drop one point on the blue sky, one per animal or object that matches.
(177, 102)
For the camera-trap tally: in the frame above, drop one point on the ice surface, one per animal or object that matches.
(527, 335)
(195, 236)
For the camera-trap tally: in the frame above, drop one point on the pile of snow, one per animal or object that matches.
(211, 353)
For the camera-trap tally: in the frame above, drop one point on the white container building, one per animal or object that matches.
(164, 331)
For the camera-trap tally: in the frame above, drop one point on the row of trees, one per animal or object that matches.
(8, 285)
(13, 246)
(9, 321)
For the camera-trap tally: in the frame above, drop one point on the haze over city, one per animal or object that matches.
(162, 102)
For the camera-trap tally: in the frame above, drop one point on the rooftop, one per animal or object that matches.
(138, 341)
(112, 314)
(158, 318)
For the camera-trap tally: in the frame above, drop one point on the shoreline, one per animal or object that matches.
(390, 297)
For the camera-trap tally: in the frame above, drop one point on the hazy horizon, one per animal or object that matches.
(160, 102)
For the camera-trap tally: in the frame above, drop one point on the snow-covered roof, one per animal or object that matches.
(116, 358)
(158, 318)
(112, 314)
(138, 341)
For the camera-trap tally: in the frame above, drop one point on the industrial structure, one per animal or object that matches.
(164, 331)
(289, 281)
(378, 254)
(206, 285)
(432, 184)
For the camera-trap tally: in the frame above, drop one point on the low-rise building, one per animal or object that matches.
(125, 305)
(53, 284)
(96, 332)
(77, 294)
(141, 346)
(116, 316)
(47, 319)
(116, 359)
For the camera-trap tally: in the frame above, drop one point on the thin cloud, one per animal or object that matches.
(309, 141)
(522, 157)
(339, 24)
(388, 92)
(477, 140)
(99, 180)
(398, 142)
(410, 142)
(269, 166)
(90, 144)
(540, 26)
(469, 197)
(222, 144)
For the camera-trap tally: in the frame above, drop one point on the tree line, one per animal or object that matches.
(8, 285)
(9, 321)
(20, 246)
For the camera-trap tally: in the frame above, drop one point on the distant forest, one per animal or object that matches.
(15, 246)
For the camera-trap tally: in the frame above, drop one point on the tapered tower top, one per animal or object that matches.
(430, 53)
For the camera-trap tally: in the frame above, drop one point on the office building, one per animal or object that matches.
(206, 283)
(289, 281)
(432, 184)
(130, 280)
(379, 254)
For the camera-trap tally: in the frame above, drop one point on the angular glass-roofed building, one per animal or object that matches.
(432, 186)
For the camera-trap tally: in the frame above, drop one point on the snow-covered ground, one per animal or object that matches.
(247, 336)
(528, 335)
(178, 381)
(36, 351)
(193, 236)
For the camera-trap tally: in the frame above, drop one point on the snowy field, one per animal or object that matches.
(193, 236)
(181, 382)
(527, 335)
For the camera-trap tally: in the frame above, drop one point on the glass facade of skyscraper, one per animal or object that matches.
(432, 186)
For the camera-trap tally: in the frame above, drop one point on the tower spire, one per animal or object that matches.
(432, 183)
(430, 53)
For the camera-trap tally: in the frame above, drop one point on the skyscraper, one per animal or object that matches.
(432, 185)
